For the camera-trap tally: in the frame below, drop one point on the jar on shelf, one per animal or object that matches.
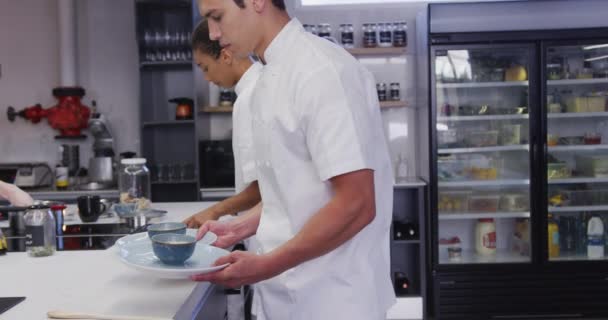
(381, 88)
(385, 35)
(325, 30)
(347, 33)
(134, 183)
(40, 231)
(400, 34)
(485, 237)
(370, 39)
(226, 97)
(395, 91)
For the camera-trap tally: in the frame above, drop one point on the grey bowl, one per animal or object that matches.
(125, 210)
(166, 227)
(173, 249)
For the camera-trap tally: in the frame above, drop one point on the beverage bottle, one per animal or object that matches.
(553, 237)
(595, 238)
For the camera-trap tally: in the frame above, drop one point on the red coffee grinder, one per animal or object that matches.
(69, 116)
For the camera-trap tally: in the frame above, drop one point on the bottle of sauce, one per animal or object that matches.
(553, 237)
(595, 238)
(485, 237)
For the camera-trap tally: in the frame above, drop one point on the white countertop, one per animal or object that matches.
(92, 281)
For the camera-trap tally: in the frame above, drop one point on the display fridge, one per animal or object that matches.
(518, 162)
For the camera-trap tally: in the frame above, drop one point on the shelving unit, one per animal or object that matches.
(485, 117)
(481, 215)
(590, 147)
(568, 115)
(568, 82)
(523, 147)
(501, 256)
(485, 183)
(165, 140)
(482, 84)
(377, 51)
(578, 180)
(578, 208)
(577, 257)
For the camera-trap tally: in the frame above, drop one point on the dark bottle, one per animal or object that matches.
(401, 284)
(381, 88)
(400, 34)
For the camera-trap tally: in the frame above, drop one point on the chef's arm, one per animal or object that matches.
(348, 212)
(244, 200)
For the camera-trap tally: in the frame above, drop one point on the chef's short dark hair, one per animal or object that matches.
(202, 42)
(277, 3)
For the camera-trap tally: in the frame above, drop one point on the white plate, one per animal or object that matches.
(142, 237)
(139, 255)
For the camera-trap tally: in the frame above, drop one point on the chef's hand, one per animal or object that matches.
(225, 231)
(245, 268)
(198, 219)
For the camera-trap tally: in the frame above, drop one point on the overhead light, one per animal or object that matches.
(597, 58)
(597, 46)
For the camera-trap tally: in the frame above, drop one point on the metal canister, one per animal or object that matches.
(395, 91)
(381, 88)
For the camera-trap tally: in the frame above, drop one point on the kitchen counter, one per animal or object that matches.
(97, 282)
(69, 196)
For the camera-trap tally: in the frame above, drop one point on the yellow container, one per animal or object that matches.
(553, 238)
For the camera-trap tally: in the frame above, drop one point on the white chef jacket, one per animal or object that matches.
(316, 116)
(242, 139)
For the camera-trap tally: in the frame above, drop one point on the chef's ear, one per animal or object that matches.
(226, 57)
(259, 5)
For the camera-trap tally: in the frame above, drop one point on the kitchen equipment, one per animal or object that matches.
(27, 175)
(40, 231)
(402, 284)
(134, 183)
(70, 158)
(101, 165)
(69, 116)
(216, 161)
(90, 208)
(405, 230)
(183, 109)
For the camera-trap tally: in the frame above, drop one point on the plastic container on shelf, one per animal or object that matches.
(595, 238)
(592, 166)
(453, 201)
(513, 202)
(558, 170)
(485, 138)
(134, 183)
(484, 203)
(452, 169)
(485, 237)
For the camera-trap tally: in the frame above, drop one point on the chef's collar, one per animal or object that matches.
(248, 77)
(282, 41)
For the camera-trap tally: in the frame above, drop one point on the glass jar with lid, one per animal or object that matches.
(400, 34)
(134, 183)
(325, 30)
(370, 39)
(381, 88)
(39, 231)
(386, 36)
(347, 33)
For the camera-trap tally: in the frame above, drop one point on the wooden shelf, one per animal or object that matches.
(392, 104)
(377, 51)
(216, 109)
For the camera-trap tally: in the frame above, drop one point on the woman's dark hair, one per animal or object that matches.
(277, 3)
(202, 42)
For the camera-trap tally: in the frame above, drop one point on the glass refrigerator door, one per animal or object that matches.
(483, 154)
(577, 146)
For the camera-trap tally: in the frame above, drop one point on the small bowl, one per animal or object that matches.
(173, 249)
(125, 210)
(166, 227)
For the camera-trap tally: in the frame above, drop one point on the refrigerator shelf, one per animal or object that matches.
(485, 183)
(567, 82)
(578, 208)
(482, 215)
(576, 257)
(568, 115)
(589, 147)
(578, 180)
(523, 147)
(487, 117)
(483, 84)
(501, 256)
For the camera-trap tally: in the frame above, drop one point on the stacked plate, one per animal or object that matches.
(135, 251)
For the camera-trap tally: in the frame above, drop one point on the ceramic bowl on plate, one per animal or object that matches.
(166, 227)
(125, 209)
(142, 238)
(173, 249)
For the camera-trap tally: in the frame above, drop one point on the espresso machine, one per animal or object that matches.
(102, 165)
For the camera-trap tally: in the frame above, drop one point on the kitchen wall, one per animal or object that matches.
(107, 69)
